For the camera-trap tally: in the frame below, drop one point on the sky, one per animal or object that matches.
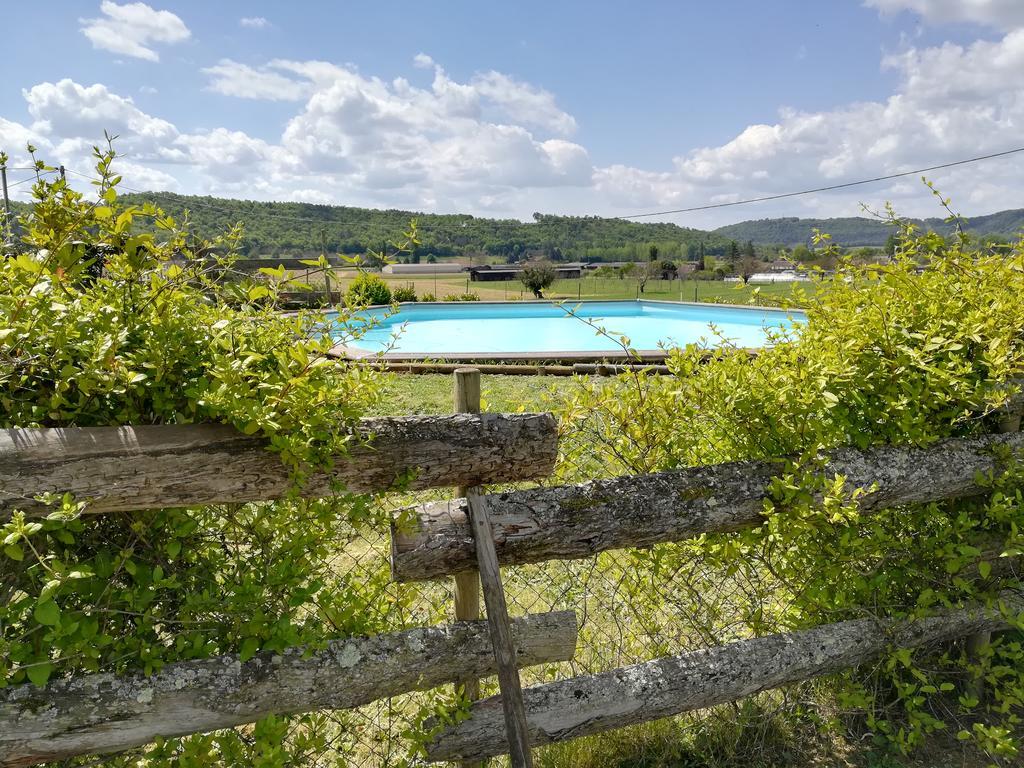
(506, 109)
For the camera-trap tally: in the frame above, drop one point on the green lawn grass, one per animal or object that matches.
(406, 394)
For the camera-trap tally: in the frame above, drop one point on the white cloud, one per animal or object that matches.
(130, 29)
(253, 22)
(68, 110)
(395, 135)
(233, 78)
(231, 156)
(524, 103)
(952, 103)
(1001, 14)
(146, 177)
(471, 140)
(14, 138)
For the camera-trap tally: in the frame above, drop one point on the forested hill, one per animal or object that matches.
(859, 230)
(299, 229)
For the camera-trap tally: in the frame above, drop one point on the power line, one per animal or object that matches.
(28, 179)
(824, 189)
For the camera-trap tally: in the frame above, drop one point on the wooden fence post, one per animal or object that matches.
(467, 584)
(467, 597)
(516, 729)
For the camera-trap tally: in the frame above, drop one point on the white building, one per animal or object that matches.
(441, 268)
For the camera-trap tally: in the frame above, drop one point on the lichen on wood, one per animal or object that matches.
(129, 468)
(108, 713)
(575, 521)
(582, 706)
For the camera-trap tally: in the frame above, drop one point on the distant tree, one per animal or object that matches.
(865, 254)
(651, 269)
(652, 253)
(667, 270)
(537, 277)
(431, 259)
(748, 250)
(802, 253)
(627, 269)
(692, 251)
(702, 258)
(734, 251)
(747, 267)
(890, 245)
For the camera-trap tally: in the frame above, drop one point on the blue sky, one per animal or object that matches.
(502, 109)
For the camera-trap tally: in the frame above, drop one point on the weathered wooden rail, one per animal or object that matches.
(96, 714)
(581, 706)
(129, 468)
(575, 521)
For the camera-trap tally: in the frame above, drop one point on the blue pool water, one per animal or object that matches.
(433, 330)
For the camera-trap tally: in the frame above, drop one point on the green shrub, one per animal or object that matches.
(148, 335)
(461, 297)
(403, 293)
(887, 357)
(368, 289)
(428, 297)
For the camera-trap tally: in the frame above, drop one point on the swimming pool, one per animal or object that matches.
(467, 330)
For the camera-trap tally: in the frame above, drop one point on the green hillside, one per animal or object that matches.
(297, 229)
(858, 230)
(303, 229)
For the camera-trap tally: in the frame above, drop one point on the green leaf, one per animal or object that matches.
(249, 648)
(13, 551)
(39, 673)
(47, 613)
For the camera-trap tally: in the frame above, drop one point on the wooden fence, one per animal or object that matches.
(144, 467)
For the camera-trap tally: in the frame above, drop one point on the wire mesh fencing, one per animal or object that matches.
(631, 606)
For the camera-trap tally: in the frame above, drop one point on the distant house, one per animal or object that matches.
(782, 265)
(442, 268)
(488, 273)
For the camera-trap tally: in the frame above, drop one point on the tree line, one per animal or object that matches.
(303, 229)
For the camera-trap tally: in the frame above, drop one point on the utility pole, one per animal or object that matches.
(7, 206)
(327, 266)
